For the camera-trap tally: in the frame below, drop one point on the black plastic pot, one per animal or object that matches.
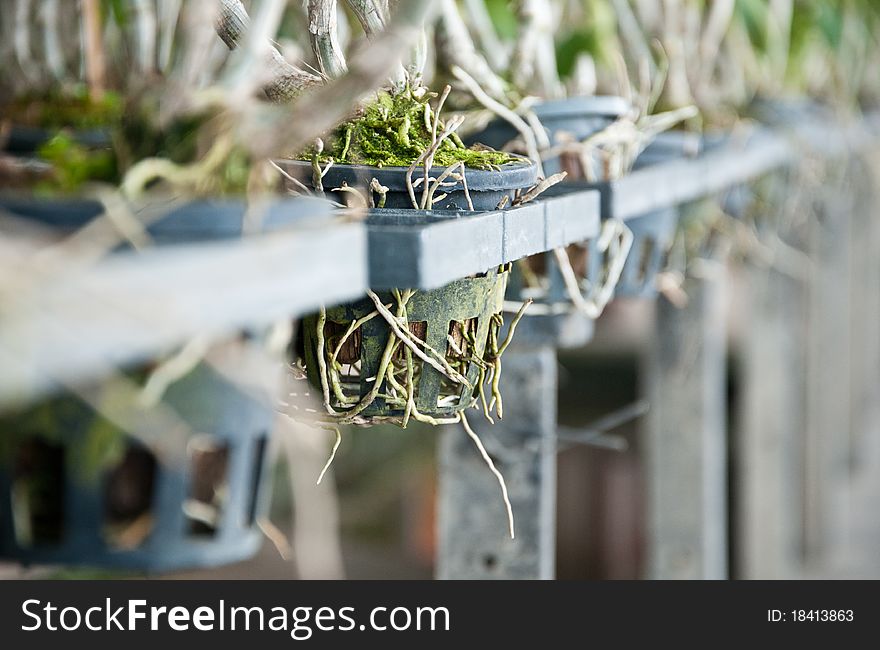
(487, 188)
(653, 236)
(579, 117)
(654, 233)
(193, 221)
(71, 513)
(671, 145)
(26, 140)
(144, 512)
(474, 299)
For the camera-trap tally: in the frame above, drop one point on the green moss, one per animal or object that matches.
(134, 137)
(393, 132)
(75, 164)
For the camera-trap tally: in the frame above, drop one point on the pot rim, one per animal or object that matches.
(203, 218)
(517, 174)
(591, 105)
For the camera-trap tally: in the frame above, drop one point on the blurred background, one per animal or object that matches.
(758, 335)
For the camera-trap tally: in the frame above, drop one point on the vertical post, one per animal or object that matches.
(472, 526)
(826, 453)
(859, 557)
(865, 306)
(686, 447)
(771, 424)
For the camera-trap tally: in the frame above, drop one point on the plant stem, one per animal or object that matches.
(456, 48)
(291, 129)
(286, 81)
(96, 68)
(325, 38)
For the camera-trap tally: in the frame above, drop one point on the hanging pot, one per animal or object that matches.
(653, 236)
(541, 277)
(456, 326)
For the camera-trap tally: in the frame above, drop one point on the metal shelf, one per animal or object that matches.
(426, 250)
(130, 306)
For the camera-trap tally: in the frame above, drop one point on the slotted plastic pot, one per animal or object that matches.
(469, 299)
(44, 450)
(57, 509)
(574, 118)
(430, 312)
(653, 235)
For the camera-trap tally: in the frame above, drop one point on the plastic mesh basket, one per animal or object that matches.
(149, 509)
(433, 316)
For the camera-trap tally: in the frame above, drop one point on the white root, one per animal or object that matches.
(540, 188)
(534, 56)
(406, 338)
(488, 459)
(145, 26)
(299, 184)
(490, 44)
(617, 238)
(171, 370)
(455, 48)
(276, 537)
(169, 13)
(503, 112)
(52, 40)
(332, 457)
(22, 38)
(426, 158)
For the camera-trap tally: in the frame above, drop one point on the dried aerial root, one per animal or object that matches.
(479, 443)
(398, 374)
(616, 239)
(333, 451)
